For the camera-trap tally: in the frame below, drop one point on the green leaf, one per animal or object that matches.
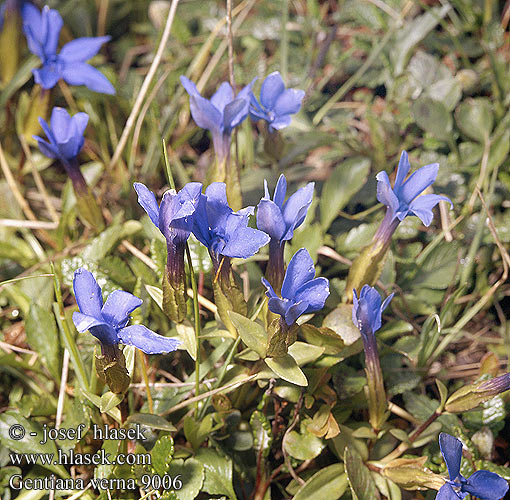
(262, 436)
(191, 474)
(438, 269)
(359, 477)
(305, 353)
(43, 337)
(287, 369)
(432, 116)
(345, 181)
(162, 454)
(156, 294)
(303, 446)
(218, 473)
(475, 119)
(186, 334)
(152, 421)
(28, 444)
(329, 483)
(413, 33)
(340, 321)
(251, 333)
(109, 400)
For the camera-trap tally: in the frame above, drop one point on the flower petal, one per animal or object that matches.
(279, 306)
(446, 492)
(222, 96)
(289, 102)
(402, 171)
(385, 194)
(486, 485)
(418, 182)
(118, 306)
(271, 88)
(270, 219)
(87, 293)
(270, 293)
(423, 205)
(294, 311)
(46, 77)
(280, 191)
(60, 124)
(146, 340)
(189, 86)
(83, 322)
(280, 122)
(80, 73)
(148, 202)
(451, 449)
(296, 208)
(234, 113)
(82, 49)
(314, 293)
(46, 148)
(244, 242)
(206, 116)
(300, 271)
(55, 23)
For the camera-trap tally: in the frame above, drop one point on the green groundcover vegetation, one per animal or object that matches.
(179, 320)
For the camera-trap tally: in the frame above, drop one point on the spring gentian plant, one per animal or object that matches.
(174, 218)
(482, 484)
(42, 32)
(366, 316)
(301, 293)
(404, 199)
(226, 235)
(64, 142)
(108, 321)
(279, 218)
(277, 104)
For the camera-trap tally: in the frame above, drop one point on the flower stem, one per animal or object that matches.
(143, 365)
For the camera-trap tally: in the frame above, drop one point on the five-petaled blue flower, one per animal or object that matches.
(43, 31)
(367, 309)
(220, 114)
(65, 135)
(108, 322)
(174, 216)
(277, 103)
(280, 218)
(301, 291)
(482, 484)
(223, 231)
(404, 198)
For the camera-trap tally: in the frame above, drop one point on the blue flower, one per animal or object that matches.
(277, 104)
(174, 217)
(301, 293)
(482, 484)
(65, 135)
(108, 321)
(43, 31)
(223, 231)
(280, 218)
(220, 114)
(404, 199)
(367, 309)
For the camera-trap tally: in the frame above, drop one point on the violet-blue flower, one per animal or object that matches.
(277, 103)
(174, 218)
(279, 218)
(219, 114)
(404, 198)
(482, 484)
(301, 292)
(65, 135)
(43, 32)
(223, 231)
(366, 315)
(108, 321)
(367, 309)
